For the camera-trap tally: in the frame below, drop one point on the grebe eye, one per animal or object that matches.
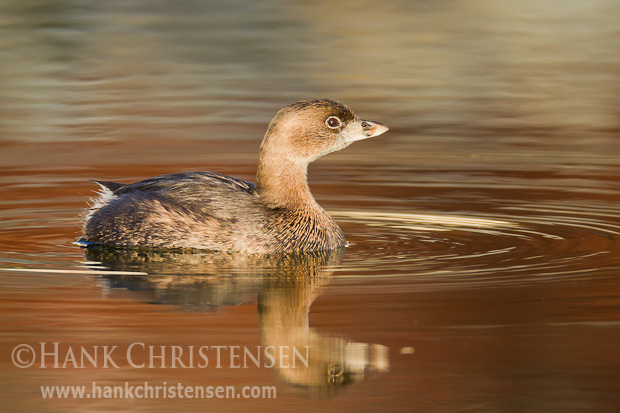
(332, 122)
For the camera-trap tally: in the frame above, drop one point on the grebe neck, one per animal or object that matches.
(282, 182)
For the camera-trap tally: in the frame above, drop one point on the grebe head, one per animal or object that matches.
(306, 130)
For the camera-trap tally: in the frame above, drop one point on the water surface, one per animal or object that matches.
(483, 271)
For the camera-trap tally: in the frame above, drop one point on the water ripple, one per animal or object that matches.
(525, 243)
(454, 237)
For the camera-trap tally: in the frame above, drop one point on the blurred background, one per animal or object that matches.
(529, 73)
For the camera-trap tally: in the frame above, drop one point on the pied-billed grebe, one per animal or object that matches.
(206, 210)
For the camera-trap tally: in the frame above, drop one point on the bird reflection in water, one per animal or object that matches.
(285, 284)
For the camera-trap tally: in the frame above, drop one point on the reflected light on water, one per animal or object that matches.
(441, 221)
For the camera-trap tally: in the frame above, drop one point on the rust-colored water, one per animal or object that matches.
(484, 270)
